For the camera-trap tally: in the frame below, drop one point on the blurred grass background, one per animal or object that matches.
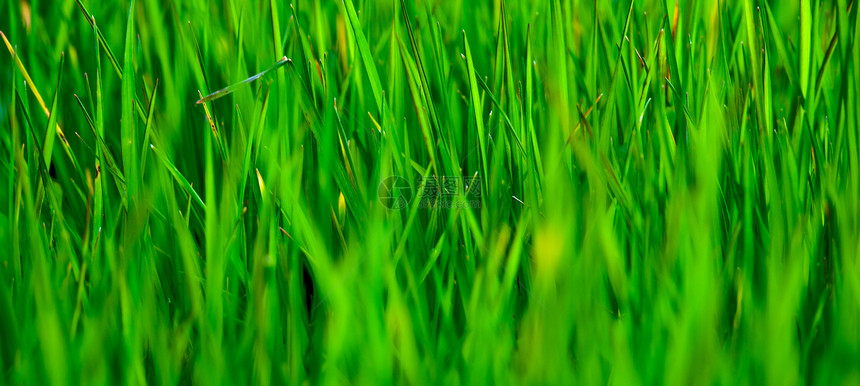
(668, 192)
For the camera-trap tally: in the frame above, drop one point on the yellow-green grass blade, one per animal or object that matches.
(39, 99)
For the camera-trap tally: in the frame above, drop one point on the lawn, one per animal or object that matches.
(429, 192)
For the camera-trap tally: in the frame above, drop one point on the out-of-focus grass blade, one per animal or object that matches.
(781, 49)
(529, 110)
(558, 61)
(128, 131)
(805, 55)
(233, 87)
(821, 71)
(680, 122)
(757, 70)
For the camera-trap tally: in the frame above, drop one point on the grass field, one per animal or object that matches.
(430, 192)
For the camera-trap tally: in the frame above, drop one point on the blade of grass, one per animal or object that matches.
(50, 133)
(477, 110)
(233, 87)
(128, 132)
(366, 56)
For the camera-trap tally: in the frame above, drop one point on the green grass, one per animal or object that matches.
(650, 192)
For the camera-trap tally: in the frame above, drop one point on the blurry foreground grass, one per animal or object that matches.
(444, 192)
